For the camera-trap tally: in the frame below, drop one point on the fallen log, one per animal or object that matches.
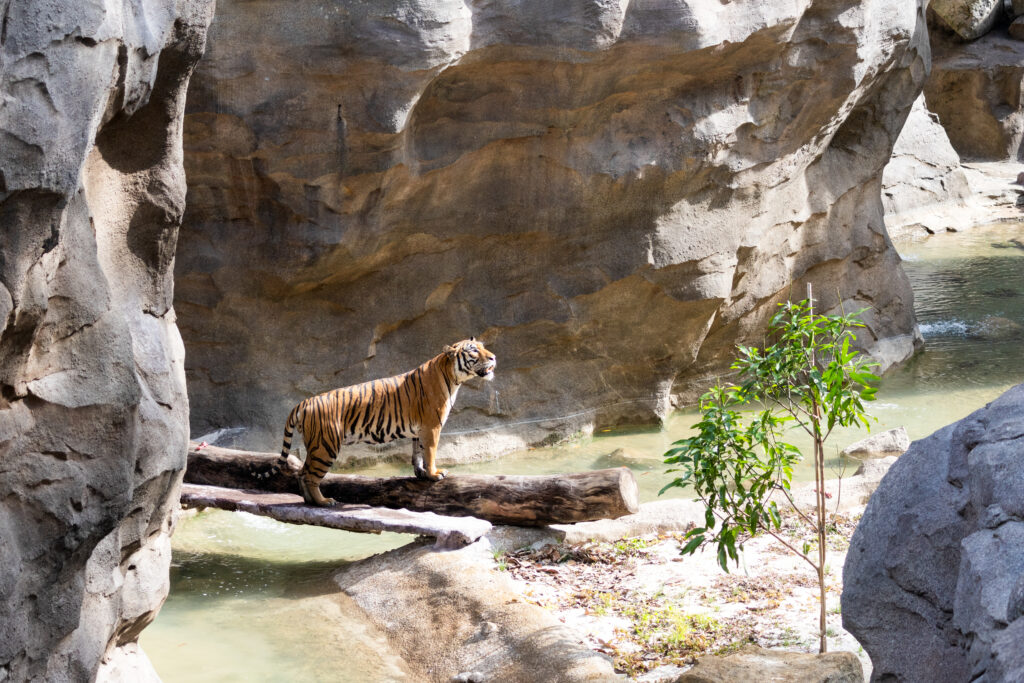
(450, 532)
(519, 500)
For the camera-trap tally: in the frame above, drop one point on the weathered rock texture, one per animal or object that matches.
(612, 194)
(924, 186)
(934, 577)
(753, 663)
(975, 89)
(451, 614)
(93, 412)
(892, 442)
(968, 19)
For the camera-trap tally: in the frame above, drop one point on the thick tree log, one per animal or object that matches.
(519, 500)
(450, 532)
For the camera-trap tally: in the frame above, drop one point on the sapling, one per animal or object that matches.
(738, 463)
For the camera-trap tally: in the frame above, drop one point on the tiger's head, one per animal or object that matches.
(470, 359)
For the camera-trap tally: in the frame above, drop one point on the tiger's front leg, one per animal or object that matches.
(424, 450)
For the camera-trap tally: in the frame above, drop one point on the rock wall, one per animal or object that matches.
(93, 412)
(924, 185)
(611, 194)
(975, 88)
(934, 578)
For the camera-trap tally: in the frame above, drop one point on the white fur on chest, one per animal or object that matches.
(448, 405)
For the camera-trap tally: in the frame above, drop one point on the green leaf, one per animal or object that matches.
(692, 545)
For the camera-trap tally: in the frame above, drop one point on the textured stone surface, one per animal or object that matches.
(934, 578)
(754, 663)
(611, 194)
(924, 185)
(881, 445)
(975, 89)
(93, 412)
(451, 614)
(968, 19)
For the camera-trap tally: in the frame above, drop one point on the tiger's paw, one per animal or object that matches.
(325, 503)
(437, 476)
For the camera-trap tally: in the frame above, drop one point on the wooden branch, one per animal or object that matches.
(519, 500)
(450, 532)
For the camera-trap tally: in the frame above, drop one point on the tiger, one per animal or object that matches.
(414, 404)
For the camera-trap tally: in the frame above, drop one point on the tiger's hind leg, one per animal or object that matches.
(417, 460)
(318, 462)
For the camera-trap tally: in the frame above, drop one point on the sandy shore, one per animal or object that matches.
(639, 601)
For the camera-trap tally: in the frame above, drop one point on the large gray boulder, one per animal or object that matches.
(93, 412)
(934, 578)
(611, 194)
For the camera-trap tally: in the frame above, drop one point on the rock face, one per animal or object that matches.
(93, 409)
(968, 19)
(454, 618)
(976, 91)
(934, 577)
(753, 663)
(924, 185)
(610, 194)
(882, 445)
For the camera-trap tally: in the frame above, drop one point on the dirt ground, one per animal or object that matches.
(651, 609)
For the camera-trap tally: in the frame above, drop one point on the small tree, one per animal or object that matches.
(809, 379)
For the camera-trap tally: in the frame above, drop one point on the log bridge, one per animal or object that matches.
(457, 510)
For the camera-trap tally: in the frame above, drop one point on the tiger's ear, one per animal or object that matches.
(450, 351)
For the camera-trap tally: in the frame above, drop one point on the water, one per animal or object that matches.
(249, 596)
(252, 600)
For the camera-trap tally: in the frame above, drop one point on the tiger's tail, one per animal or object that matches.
(281, 464)
(286, 444)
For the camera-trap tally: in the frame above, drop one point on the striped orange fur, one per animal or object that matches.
(414, 404)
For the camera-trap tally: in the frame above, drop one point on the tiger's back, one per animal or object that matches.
(374, 412)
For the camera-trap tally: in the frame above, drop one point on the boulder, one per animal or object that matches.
(924, 185)
(934, 578)
(754, 663)
(1016, 29)
(975, 90)
(454, 618)
(611, 194)
(890, 442)
(968, 19)
(875, 468)
(996, 328)
(93, 411)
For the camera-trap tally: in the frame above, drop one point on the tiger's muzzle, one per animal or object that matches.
(487, 370)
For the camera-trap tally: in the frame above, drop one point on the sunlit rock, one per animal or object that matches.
(968, 19)
(923, 185)
(881, 445)
(974, 89)
(611, 194)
